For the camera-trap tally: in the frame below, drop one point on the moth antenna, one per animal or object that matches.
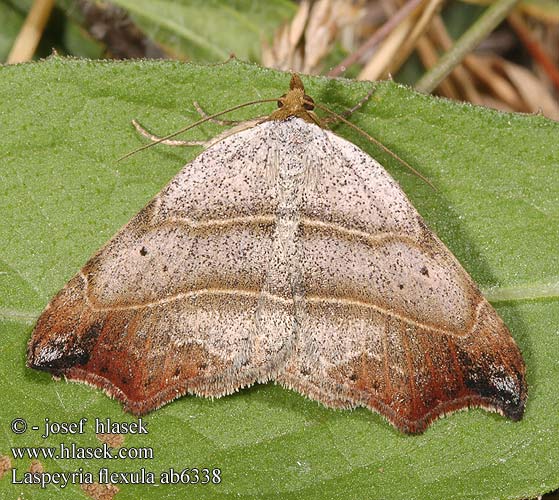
(203, 114)
(195, 124)
(349, 112)
(377, 142)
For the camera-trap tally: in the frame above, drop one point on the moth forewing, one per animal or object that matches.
(283, 252)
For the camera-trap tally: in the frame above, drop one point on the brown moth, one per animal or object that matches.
(283, 252)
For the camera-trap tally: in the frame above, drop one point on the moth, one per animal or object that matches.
(283, 253)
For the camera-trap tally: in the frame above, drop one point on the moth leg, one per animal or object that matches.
(169, 142)
(349, 112)
(244, 125)
(239, 125)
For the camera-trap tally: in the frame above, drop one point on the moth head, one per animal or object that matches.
(308, 102)
(295, 103)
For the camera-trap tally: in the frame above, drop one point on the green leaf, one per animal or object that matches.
(210, 30)
(62, 195)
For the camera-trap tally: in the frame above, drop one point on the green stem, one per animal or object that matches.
(490, 19)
